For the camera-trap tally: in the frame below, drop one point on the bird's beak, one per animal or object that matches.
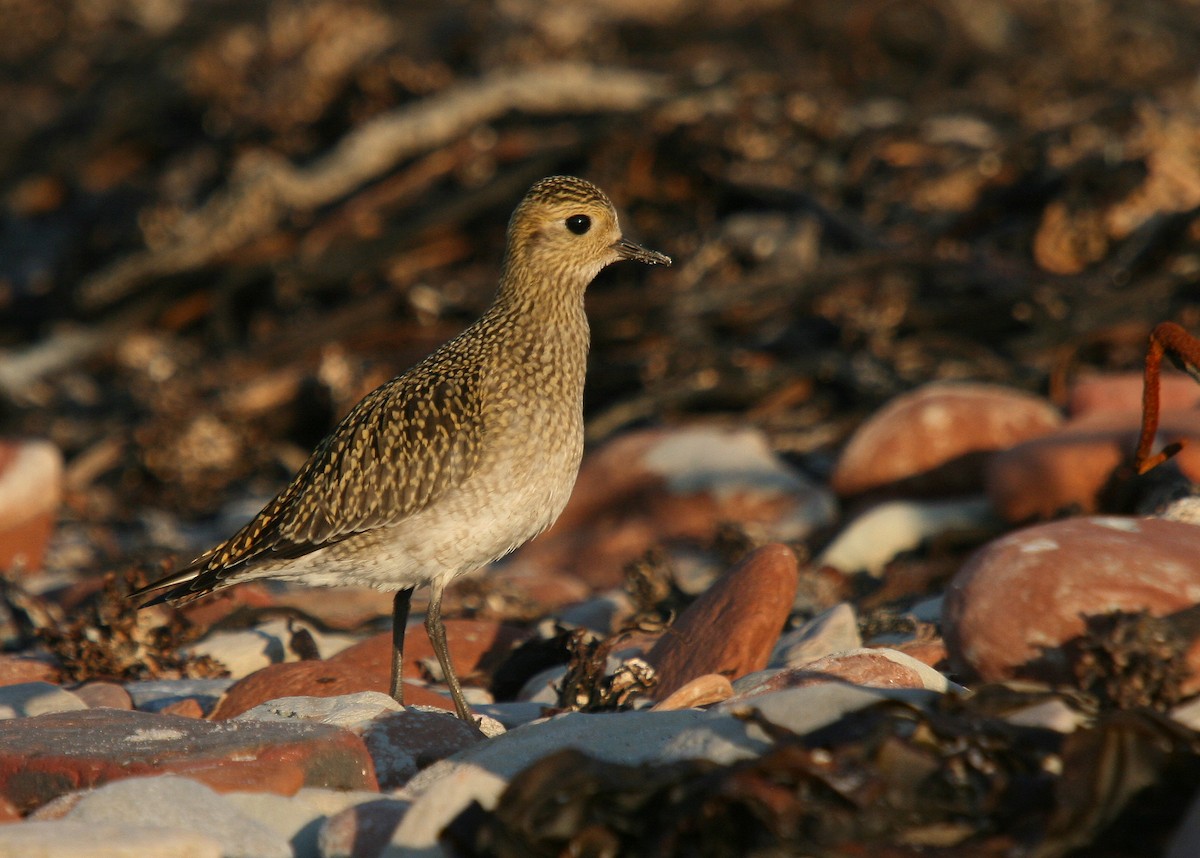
(626, 249)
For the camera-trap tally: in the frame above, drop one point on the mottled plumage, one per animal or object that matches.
(466, 456)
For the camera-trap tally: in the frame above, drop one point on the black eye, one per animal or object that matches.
(579, 224)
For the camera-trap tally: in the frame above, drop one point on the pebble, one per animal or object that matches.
(932, 440)
(877, 536)
(361, 831)
(701, 691)
(156, 695)
(180, 803)
(652, 487)
(106, 695)
(1066, 469)
(300, 818)
(875, 667)
(1017, 599)
(1122, 392)
(31, 473)
(834, 630)
(26, 699)
(17, 668)
(42, 757)
(74, 839)
(733, 627)
(246, 650)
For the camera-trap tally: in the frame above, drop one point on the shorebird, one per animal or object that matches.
(458, 461)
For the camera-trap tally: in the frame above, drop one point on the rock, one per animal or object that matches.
(403, 743)
(72, 839)
(1066, 469)
(298, 819)
(188, 707)
(348, 608)
(733, 627)
(877, 536)
(47, 755)
(934, 440)
(834, 630)
(510, 713)
(931, 652)
(871, 668)
(1019, 598)
(602, 614)
(155, 695)
(180, 803)
(314, 679)
(17, 669)
(701, 691)
(349, 711)
(246, 650)
(1053, 714)
(36, 698)
(103, 695)
(651, 487)
(476, 646)
(806, 708)
(361, 831)
(30, 491)
(1122, 392)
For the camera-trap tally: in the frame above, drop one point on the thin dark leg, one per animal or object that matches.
(437, 637)
(399, 623)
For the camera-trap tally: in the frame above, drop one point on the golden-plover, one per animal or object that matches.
(458, 461)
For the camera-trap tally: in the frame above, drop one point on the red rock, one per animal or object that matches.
(210, 610)
(1123, 392)
(476, 646)
(1019, 598)
(935, 439)
(1066, 469)
(732, 628)
(48, 755)
(30, 491)
(929, 652)
(188, 707)
(328, 678)
(871, 668)
(652, 487)
(104, 695)
(411, 740)
(15, 669)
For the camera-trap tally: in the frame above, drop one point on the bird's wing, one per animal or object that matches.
(401, 448)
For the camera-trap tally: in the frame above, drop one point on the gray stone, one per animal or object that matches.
(26, 699)
(154, 695)
(361, 831)
(832, 631)
(298, 818)
(180, 803)
(68, 839)
(349, 711)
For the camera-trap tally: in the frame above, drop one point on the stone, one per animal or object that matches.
(701, 691)
(652, 487)
(403, 743)
(875, 537)
(348, 711)
(36, 698)
(188, 707)
(1122, 392)
(834, 630)
(73, 839)
(877, 667)
(806, 708)
(1053, 714)
(299, 818)
(1067, 469)
(476, 646)
(42, 757)
(361, 831)
(332, 678)
(106, 695)
(180, 803)
(16, 669)
(155, 695)
(935, 439)
(31, 475)
(1018, 599)
(733, 627)
(244, 651)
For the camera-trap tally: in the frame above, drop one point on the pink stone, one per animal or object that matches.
(934, 440)
(15, 669)
(1019, 598)
(701, 691)
(732, 628)
(1123, 392)
(871, 668)
(104, 695)
(48, 755)
(1066, 469)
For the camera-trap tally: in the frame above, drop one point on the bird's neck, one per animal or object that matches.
(546, 320)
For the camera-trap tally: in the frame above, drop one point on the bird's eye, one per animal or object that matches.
(579, 224)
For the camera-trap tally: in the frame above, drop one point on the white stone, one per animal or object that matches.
(1051, 714)
(872, 539)
(542, 687)
(349, 711)
(832, 631)
(180, 803)
(26, 699)
(812, 707)
(246, 650)
(298, 818)
(153, 695)
(67, 839)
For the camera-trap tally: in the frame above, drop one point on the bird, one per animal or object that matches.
(457, 462)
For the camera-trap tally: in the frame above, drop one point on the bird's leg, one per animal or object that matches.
(399, 623)
(437, 637)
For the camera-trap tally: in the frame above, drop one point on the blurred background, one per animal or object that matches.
(222, 222)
